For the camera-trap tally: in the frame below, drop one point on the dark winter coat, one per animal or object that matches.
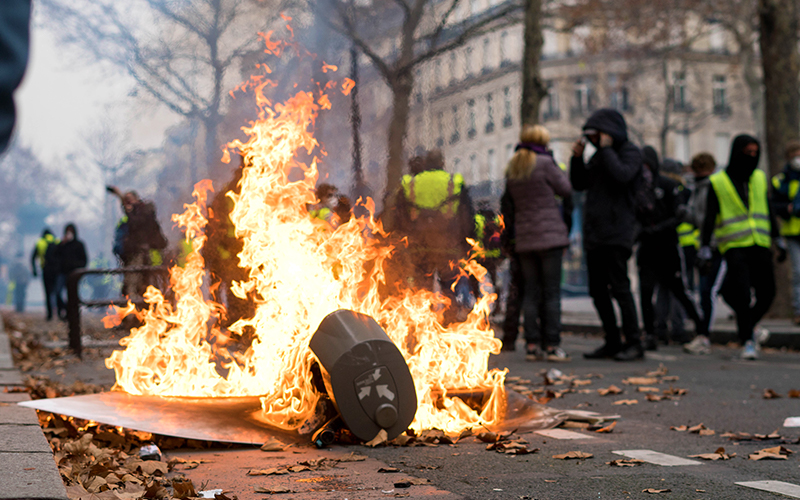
(538, 222)
(71, 255)
(609, 217)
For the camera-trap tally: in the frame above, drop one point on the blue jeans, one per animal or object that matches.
(793, 245)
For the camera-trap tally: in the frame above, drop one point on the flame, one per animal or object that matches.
(300, 269)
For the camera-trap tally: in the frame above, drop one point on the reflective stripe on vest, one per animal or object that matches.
(737, 226)
(688, 235)
(433, 190)
(789, 227)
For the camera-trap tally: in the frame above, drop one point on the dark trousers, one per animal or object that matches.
(661, 265)
(607, 267)
(710, 285)
(51, 299)
(749, 269)
(541, 302)
(20, 289)
(516, 286)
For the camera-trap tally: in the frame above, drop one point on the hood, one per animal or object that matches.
(741, 166)
(670, 166)
(650, 158)
(611, 122)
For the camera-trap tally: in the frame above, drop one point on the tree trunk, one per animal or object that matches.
(532, 87)
(401, 86)
(781, 65)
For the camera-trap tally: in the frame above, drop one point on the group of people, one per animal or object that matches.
(56, 260)
(723, 222)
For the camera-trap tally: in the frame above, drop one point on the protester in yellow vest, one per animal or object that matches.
(786, 205)
(44, 254)
(739, 218)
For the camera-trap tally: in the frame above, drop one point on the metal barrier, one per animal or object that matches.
(74, 301)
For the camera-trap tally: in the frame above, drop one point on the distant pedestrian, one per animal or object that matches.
(786, 204)
(609, 227)
(71, 256)
(658, 257)
(530, 208)
(46, 256)
(20, 275)
(739, 217)
(15, 18)
(713, 272)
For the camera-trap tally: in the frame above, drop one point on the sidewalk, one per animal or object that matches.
(578, 315)
(27, 468)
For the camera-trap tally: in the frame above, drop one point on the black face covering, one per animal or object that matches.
(741, 166)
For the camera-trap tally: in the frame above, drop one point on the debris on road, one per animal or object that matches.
(571, 455)
(625, 462)
(719, 454)
(774, 453)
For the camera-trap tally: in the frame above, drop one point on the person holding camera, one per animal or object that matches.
(609, 227)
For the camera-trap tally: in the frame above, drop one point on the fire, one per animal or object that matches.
(300, 270)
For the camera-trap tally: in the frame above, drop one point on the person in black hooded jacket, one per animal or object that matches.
(746, 267)
(71, 256)
(658, 259)
(609, 227)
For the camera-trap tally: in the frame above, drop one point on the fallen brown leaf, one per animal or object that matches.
(272, 491)
(717, 455)
(273, 471)
(770, 394)
(794, 393)
(774, 453)
(626, 402)
(647, 389)
(640, 381)
(680, 428)
(670, 378)
(183, 488)
(625, 462)
(653, 397)
(352, 457)
(379, 438)
(573, 455)
(607, 429)
(612, 389)
(578, 383)
(653, 490)
(388, 470)
(273, 444)
(660, 372)
(675, 391)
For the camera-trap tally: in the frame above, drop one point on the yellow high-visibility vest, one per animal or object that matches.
(433, 190)
(738, 226)
(688, 235)
(789, 227)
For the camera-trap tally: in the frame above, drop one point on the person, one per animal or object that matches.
(487, 235)
(434, 210)
(44, 253)
(71, 256)
(20, 277)
(786, 205)
(138, 239)
(738, 215)
(14, 47)
(530, 207)
(658, 258)
(710, 280)
(609, 227)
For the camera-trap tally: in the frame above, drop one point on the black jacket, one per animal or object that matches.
(71, 255)
(609, 217)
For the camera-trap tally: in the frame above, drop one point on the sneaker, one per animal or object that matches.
(535, 353)
(760, 335)
(634, 352)
(557, 355)
(699, 346)
(749, 351)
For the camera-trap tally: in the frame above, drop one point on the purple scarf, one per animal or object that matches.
(536, 148)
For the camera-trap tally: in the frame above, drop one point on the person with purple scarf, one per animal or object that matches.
(536, 236)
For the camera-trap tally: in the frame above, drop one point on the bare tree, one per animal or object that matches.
(532, 87)
(179, 53)
(425, 30)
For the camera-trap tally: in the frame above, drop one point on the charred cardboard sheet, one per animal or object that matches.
(225, 420)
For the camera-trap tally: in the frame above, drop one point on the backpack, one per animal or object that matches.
(644, 195)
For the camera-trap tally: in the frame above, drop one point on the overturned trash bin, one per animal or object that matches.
(365, 375)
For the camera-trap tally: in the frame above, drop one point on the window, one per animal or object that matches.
(486, 56)
(618, 93)
(681, 152)
(491, 160)
(679, 101)
(439, 129)
(489, 114)
(550, 104)
(454, 138)
(468, 53)
(472, 130)
(452, 67)
(504, 49)
(507, 119)
(719, 95)
(584, 97)
(473, 167)
(722, 145)
(716, 39)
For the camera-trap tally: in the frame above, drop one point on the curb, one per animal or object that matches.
(28, 468)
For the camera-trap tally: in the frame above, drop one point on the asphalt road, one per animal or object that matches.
(723, 393)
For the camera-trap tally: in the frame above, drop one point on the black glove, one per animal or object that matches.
(780, 250)
(703, 260)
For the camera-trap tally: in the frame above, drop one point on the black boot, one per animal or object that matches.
(633, 352)
(651, 343)
(606, 351)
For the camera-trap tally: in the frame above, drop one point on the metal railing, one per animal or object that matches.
(74, 301)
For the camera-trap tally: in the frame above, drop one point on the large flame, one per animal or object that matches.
(300, 270)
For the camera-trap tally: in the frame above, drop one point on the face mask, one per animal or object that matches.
(795, 163)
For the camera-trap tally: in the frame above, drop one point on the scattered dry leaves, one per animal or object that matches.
(774, 453)
(572, 455)
(612, 389)
(717, 455)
